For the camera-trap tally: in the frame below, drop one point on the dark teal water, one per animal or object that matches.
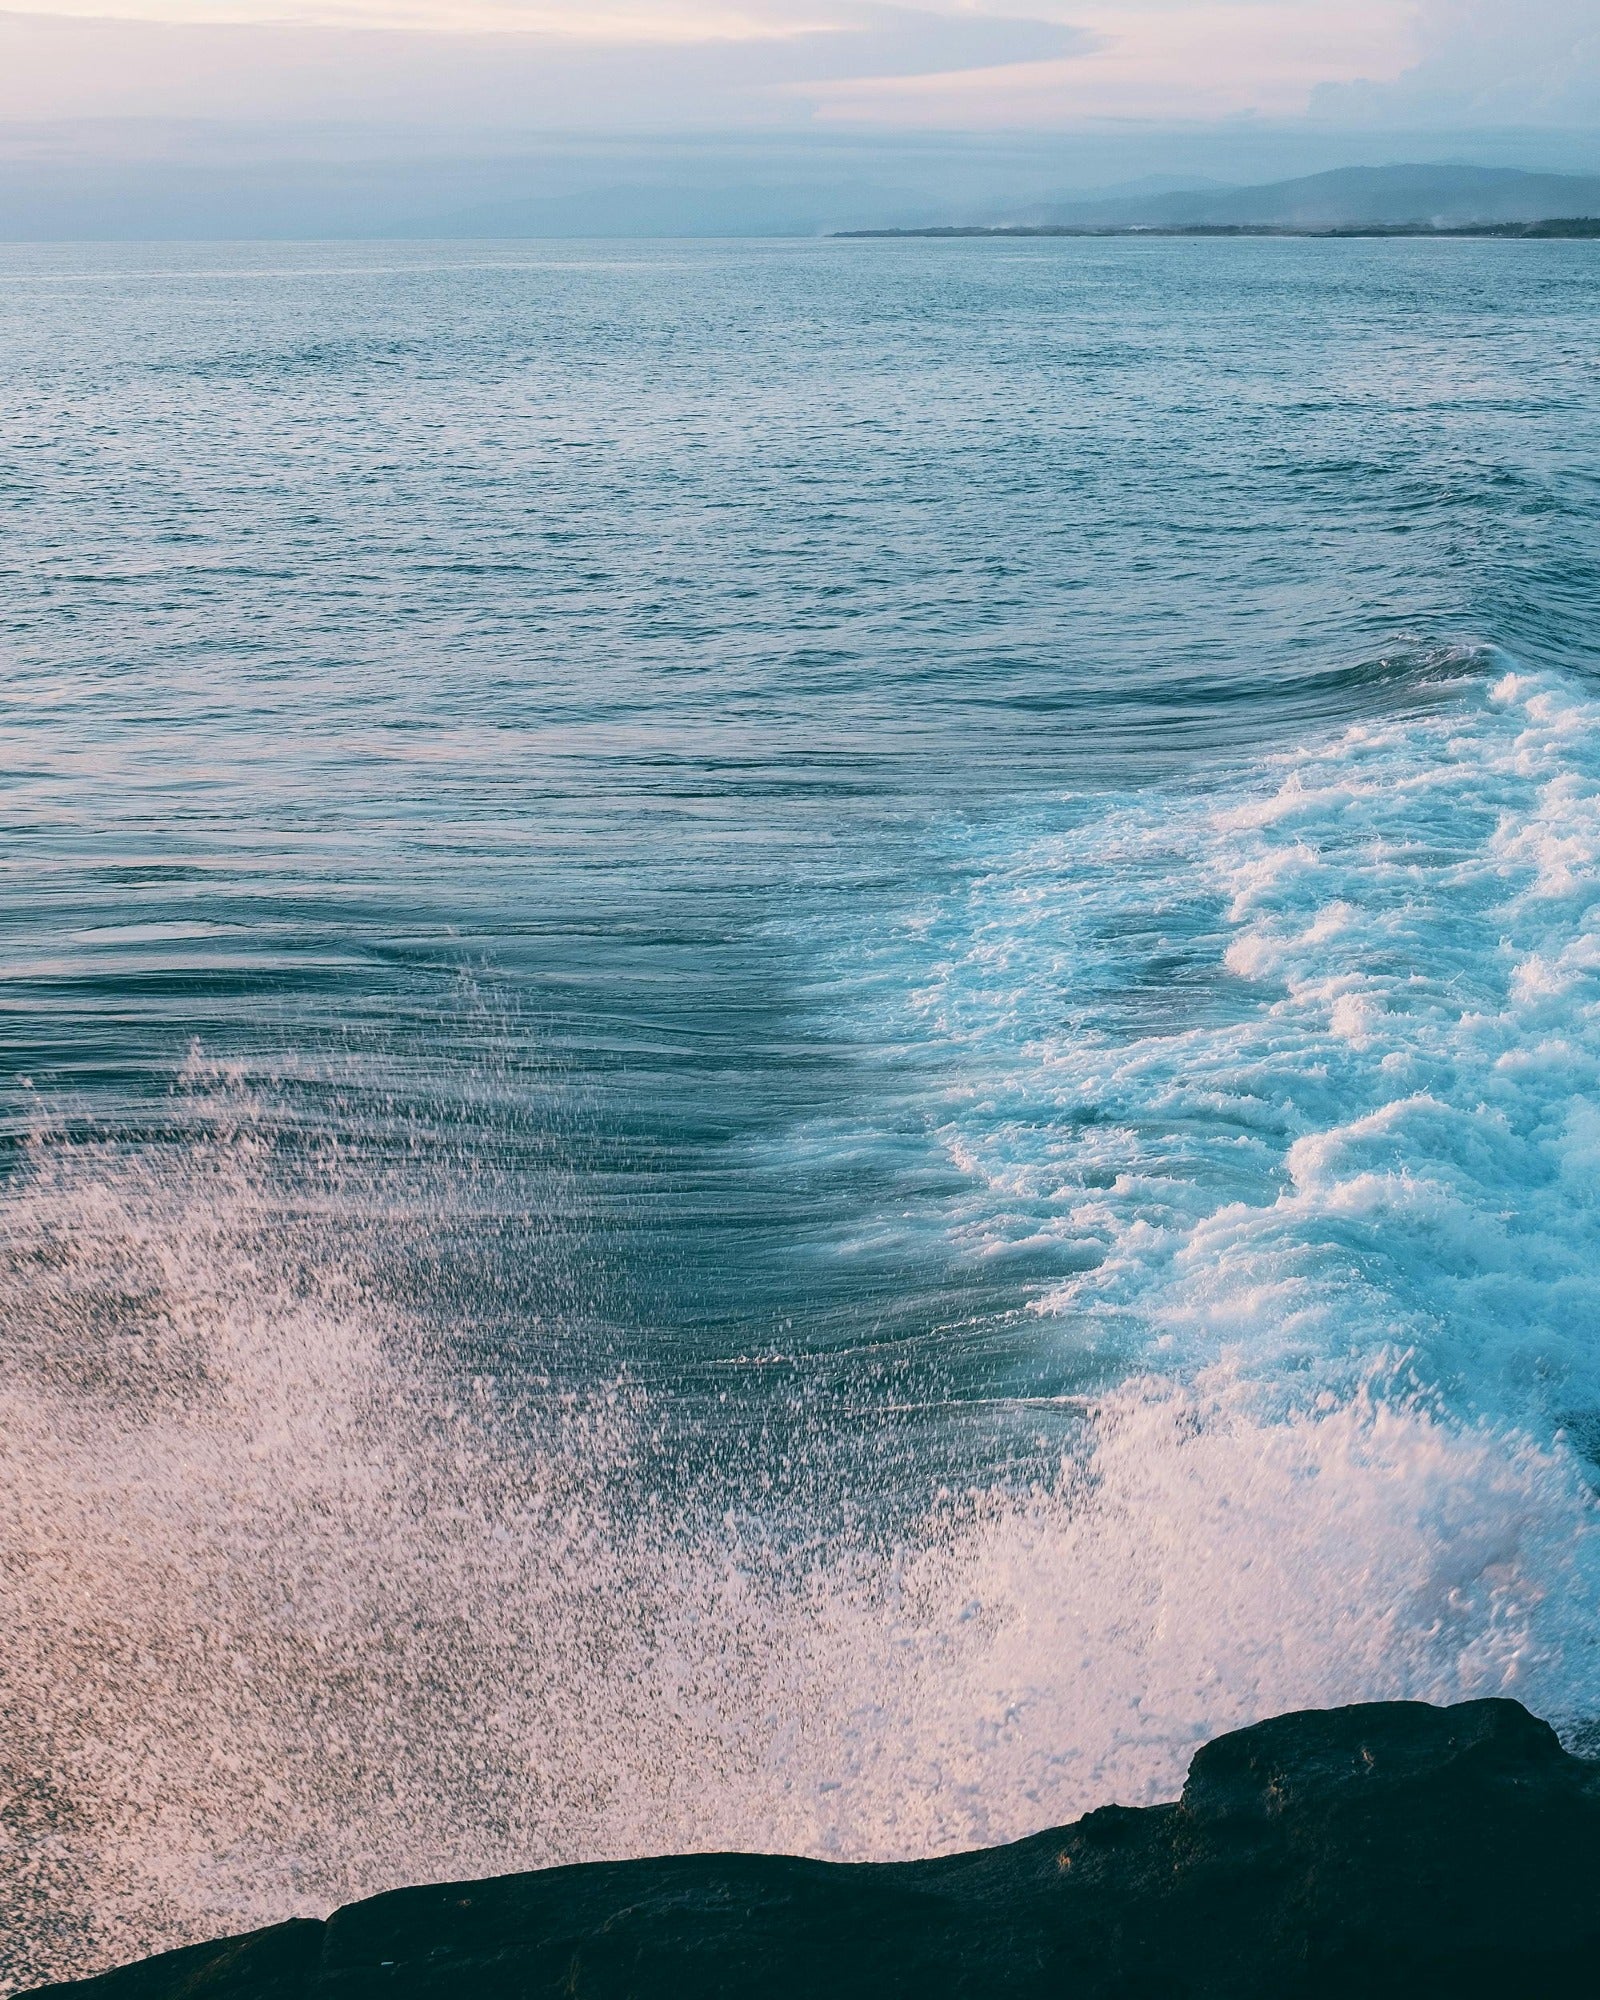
(799, 1039)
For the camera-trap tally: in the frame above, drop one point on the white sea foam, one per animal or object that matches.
(1350, 1102)
(1293, 1077)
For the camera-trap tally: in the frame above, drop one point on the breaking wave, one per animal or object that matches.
(1282, 1091)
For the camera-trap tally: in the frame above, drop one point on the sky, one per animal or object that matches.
(742, 66)
(189, 119)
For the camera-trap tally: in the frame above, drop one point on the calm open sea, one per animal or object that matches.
(801, 1042)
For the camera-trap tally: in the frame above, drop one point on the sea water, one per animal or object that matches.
(801, 1041)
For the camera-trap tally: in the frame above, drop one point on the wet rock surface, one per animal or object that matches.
(1387, 1849)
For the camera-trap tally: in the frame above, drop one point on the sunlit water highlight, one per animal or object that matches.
(802, 1043)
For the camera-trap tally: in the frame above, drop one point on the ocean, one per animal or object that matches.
(801, 1041)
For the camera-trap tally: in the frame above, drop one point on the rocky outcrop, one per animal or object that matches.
(1374, 1851)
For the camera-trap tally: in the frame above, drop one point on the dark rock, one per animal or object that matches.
(1387, 1850)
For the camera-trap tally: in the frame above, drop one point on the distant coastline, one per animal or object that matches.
(1580, 226)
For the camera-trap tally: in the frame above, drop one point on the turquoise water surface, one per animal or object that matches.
(800, 1040)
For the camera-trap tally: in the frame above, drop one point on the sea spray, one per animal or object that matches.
(296, 1614)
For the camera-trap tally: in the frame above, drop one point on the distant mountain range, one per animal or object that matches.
(93, 182)
(1396, 197)
(1387, 197)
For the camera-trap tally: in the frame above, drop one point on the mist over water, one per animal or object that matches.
(800, 1042)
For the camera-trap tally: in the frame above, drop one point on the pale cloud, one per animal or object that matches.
(1211, 59)
(734, 65)
(1487, 62)
(605, 23)
(496, 67)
